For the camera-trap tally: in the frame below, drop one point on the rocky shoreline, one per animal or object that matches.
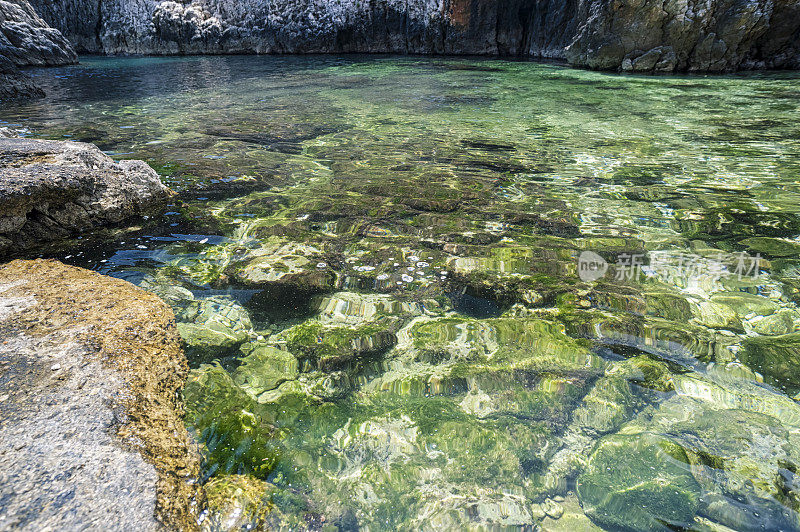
(91, 367)
(93, 432)
(641, 36)
(27, 40)
(51, 190)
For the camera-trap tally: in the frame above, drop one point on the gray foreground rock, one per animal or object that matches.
(51, 190)
(27, 40)
(91, 433)
(641, 35)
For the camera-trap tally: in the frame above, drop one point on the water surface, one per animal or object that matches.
(375, 265)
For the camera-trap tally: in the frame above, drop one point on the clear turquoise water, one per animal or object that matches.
(374, 262)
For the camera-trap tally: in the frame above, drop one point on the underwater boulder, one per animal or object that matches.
(784, 321)
(213, 327)
(611, 401)
(745, 303)
(639, 482)
(773, 247)
(337, 347)
(264, 368)
(775, 357)
(237, 435)
(237, 502)
(506, 344)
(744, 459)
(716, 315)
(283, 262)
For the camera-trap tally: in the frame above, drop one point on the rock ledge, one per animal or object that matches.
(93, 436)
(51, 190)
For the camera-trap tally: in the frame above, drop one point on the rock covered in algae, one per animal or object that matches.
(626, 388)
(740, 456)
(237, 502)
(280, 261)
(776, 357)
(213, 327)
(236, 435)
(335, 347)
(263, 368)
(734, 437)
(784, 321)
(51, 190)
(93, 430)
(639, 482)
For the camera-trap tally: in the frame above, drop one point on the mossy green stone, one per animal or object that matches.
(236, 435)
(264, 368)
(775, 357)
(639, 482)
(335, 347)
(745, 303)
(773, 247)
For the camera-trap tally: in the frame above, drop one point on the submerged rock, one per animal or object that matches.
(236, 502)
(333, 348)
(50, 190)
(264, 368)
(236, 436)
(15, 84)
(776, 357)
(722, 434)
(212, 327)
(93, 435)
(639, 482)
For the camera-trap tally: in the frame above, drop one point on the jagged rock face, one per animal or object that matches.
(51, 190)
(15, 84)
(720, 35)
(713, 35)
(26, 39)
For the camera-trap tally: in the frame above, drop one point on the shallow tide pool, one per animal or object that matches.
(427, 293)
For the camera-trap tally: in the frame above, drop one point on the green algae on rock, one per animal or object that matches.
(639, 482)
(776, 357)
(111, 372)
(377, 259)
(263, 368)
(236, 436)
(332, 348)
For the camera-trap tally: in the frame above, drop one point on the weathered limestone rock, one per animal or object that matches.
(25, 40)
(93, 436)
(15, 84)
(51, 190)
(646, 36)
(641, 36)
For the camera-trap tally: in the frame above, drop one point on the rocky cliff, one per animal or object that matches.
(634, 35)
(27, 40)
